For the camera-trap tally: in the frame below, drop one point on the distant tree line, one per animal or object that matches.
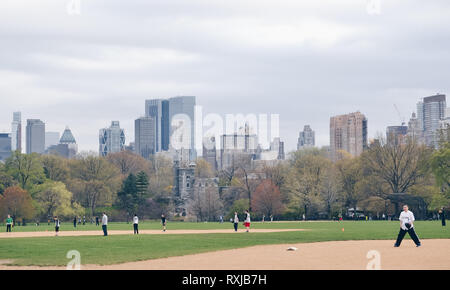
(308, 185)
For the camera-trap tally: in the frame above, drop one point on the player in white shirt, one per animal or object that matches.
(105, 224)
(407, 226)
(247, 221)
(135, 224)
(236, 221)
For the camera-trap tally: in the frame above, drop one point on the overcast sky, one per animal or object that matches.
(304, 60)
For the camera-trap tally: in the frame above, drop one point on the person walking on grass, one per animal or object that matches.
(57, 224)
(247, 221)
(236, 221)
(9, 223)
(163, 222)
(75, 222)
(105, 224)
(407, 226)
(136, 224)
(97, 221)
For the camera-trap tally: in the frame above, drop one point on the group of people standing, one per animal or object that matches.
(135, 224)
(406, 224)
(247, 221)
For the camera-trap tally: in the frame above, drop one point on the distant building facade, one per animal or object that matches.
(145, 136)
(396, 135)
(16, 132)
(415, 131)
(306, 138)
(158, 109)
(210, 151)
(51, 139)
(170, 114)
(236, 147)
(430, 111)
(112, 139)
(67, 146)
(5, 146)
(348, 133)
(35, 133)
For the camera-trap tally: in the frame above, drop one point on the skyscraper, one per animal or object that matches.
(16, 132)
(169, 115)
(396, 135)
(158, 109)
(348, 133)
(35, 136)
(5, 146)
(112, 139)
(306, 138)
(415, 130)
(430, 112)
(210, 151)
(67, 146)
(145, 136)
(183, 109)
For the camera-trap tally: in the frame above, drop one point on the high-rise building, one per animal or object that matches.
(237, 146)
(158, 109)
(210, 151)
(306, 138)
(396, 135)
(112, 139)
(16, 132)
(430, 111)
(415, 130)
(170, 114)
(35, 136)
(5, 146)
(67, 146)
(444, 126)
(145, 136)
(348, 133)
(51, 139)
(182, 113)
(278, 146)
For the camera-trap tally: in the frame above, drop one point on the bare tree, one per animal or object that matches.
(401, 166)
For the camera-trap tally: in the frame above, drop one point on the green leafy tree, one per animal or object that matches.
(53, 198)
(127, 195)
(55, 168)
(25, 168)
(94, 181)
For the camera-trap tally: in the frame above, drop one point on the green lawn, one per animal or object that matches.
(125, 248)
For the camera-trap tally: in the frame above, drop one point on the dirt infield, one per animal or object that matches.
(340, 255)
(142, 232)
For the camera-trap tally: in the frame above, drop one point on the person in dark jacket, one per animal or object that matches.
(442, 215)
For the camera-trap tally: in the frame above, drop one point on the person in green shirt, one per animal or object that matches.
(9, 222)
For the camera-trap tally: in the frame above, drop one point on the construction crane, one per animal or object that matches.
(402, 119)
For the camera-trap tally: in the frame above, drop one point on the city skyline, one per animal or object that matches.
(130, 136)
(304, 61)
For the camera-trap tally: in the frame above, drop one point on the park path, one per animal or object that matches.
(142, 232)
(338, 255)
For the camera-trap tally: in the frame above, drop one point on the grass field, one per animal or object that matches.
(47, 251)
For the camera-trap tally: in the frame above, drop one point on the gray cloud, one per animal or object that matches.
(306, 60)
